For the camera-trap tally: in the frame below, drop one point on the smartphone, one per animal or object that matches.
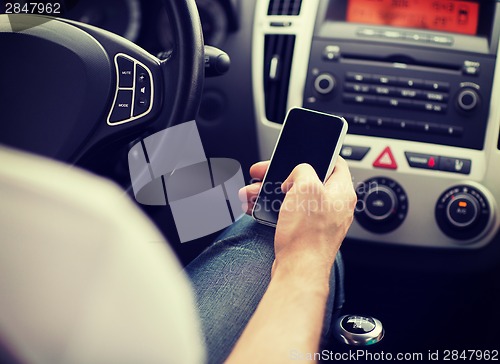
(307, 136)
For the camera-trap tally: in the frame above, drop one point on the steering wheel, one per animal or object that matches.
(74, 92)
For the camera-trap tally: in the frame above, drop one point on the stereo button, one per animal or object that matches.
(417, 37)
(436, 96)
(380, 122)
(422, 127)
(392, 34)
(385, 80)
(471, 68)
(358, 77)
(409, 93)
(356, 87)
(436, 85)
(360, 120)
(368, 32)
(331, 53)
(449, 130)
(360, 99)
(404, 124)
(438, 39)
(429, 106)
(393, 102)
(383, 90)
(410, 82)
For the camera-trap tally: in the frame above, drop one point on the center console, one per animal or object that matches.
(417, 82)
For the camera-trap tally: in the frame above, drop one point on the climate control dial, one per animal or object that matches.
(462, 212)
(382, 205)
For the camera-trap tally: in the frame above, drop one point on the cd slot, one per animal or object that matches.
(400, 63)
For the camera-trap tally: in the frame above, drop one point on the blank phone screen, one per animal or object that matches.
(307, 137)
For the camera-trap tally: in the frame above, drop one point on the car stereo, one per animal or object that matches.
(406, 69)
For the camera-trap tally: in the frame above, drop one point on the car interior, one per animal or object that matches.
(418, 82)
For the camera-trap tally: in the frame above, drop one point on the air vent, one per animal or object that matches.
(284, 7)
(277, 65)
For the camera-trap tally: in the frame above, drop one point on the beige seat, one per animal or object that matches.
(85, 277)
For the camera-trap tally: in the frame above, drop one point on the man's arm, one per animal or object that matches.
(312, 223)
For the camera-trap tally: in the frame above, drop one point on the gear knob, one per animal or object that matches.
(359, 330)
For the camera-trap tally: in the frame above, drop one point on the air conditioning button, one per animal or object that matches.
(382, 205)
(463, 213)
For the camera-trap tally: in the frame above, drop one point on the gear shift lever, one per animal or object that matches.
(359, 330)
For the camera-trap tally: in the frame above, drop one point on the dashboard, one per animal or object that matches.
(417, 82)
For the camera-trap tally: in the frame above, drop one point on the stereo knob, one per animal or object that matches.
(324, 83)
(467, 99)
(462, 212)
(382, 205)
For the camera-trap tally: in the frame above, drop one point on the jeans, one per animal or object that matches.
(230, 278)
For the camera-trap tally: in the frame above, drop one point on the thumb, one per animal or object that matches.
(302, 173)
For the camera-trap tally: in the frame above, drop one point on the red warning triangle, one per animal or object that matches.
(386, 160)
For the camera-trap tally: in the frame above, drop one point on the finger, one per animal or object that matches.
(258, 170)
(248, 196)
(250, 192)
(247, 208)
(303, 173)
(341, 174)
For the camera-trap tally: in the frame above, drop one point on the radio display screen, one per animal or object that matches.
(454, 16)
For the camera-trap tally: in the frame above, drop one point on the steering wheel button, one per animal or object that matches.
(142, 76)
(141, 105)
(122, 108)
(142, 91)
(125, 72)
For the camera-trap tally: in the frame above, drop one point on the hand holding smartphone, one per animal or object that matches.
(307, 136)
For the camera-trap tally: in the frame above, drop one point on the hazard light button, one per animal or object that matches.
(386, 160)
